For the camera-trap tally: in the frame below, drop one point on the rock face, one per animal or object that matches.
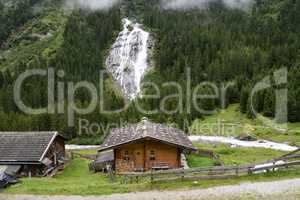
(128, 58)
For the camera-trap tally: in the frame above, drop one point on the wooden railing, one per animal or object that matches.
(204, 173)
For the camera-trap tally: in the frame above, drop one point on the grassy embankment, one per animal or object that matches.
(231, 122)
(240, 155)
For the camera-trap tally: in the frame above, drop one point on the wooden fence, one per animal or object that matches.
(205, 173)
(85, 156)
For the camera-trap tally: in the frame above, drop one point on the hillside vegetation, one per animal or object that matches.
(218, 44)
(74, 41)
(224, 45)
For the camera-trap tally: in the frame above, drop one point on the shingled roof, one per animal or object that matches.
(24, 147)
(146, 129)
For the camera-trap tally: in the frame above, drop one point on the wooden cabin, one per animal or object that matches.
(147, 146)
(31, 153)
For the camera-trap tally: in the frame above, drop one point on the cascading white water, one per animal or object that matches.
(128, 58)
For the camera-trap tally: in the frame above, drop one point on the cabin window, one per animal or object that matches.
(152, 155)
(126, 155)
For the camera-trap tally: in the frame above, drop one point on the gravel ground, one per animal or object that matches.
(283, 190)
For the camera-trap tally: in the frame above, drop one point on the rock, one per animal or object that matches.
(246, 137)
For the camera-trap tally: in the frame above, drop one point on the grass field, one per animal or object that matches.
(77, 180)
(240, 155)
(87, 151)
(198, 161)
(231, 122)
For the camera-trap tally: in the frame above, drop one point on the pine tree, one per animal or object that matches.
(244, 100)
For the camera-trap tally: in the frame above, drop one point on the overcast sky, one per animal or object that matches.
(92, 4)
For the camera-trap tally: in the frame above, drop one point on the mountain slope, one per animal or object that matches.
(218, 44)
(222, 45)
(74, 41)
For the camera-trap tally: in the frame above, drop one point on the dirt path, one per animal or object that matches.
(283, 190)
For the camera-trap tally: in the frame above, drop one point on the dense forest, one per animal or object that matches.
(77, 46)
(222, 45)
(218, 44)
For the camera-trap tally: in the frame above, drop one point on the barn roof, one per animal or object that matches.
(25, 147)
(146, 129)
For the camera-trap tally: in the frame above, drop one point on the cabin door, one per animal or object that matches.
(139, 159)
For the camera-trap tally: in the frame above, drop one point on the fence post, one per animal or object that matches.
(137, 179)
(152, 178)
(182, 176)
(237, 170)
(111, 174)
(249, 171)
(125, 180)
(131, 179)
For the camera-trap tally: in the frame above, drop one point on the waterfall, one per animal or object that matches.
(128, 58)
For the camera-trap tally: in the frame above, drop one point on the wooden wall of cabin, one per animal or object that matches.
(164, 153)
(57, 147)
(139, 156)
(126, 162)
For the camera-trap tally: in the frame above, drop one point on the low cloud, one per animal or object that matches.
(91, 4)
(203, 4)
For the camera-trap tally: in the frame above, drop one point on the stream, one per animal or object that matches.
(239, 143)
(214, 139)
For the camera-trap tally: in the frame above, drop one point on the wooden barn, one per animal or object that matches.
(146, 146)
(31, 153)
